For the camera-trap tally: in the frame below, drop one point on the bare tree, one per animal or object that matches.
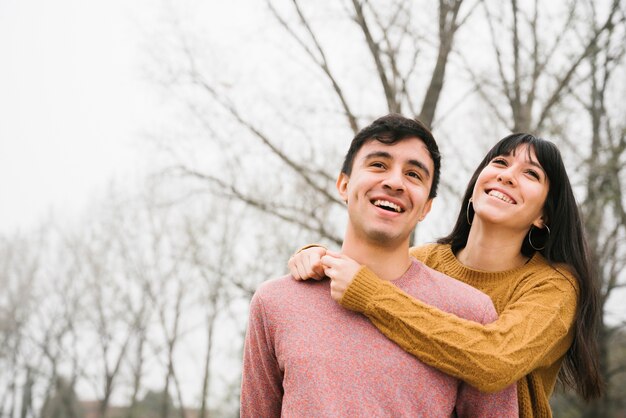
(534, 73)
(42, 305)
(535, 68)
(19, 272)
(214, 273)
(604, 203)
(95, 254)
(393, 39)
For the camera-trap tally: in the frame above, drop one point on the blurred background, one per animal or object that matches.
(160, 159)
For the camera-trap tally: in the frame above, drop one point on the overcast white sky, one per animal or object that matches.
(74, 100)
(72, 103)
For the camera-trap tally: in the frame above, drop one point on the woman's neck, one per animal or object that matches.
(491, 248)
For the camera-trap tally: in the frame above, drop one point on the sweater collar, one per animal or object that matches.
(455, 269)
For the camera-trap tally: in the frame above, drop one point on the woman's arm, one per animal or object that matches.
(533, 331)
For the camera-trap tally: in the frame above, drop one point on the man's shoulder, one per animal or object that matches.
(443, 281)
(277, 285)
(284, 288)
(283, 302)
(457, 297)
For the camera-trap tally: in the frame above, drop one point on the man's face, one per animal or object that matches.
(387, 191)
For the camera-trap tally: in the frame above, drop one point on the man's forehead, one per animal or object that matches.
(374, 145)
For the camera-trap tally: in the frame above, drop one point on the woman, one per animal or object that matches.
(518, 238)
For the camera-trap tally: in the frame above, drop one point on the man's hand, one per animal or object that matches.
(341, 269)
(307, 265)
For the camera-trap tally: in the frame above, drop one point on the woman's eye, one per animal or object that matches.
(534, 174)
(499, 161)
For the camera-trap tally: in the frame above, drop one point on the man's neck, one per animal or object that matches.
(387, 262)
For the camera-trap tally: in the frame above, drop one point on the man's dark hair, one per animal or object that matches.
(390, 129)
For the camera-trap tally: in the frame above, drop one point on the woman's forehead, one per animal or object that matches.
(524, 148)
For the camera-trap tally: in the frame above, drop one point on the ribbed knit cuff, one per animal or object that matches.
(361, 291)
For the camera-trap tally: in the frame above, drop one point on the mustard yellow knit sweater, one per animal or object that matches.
(536, 304)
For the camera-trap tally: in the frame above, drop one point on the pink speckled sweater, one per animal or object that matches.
(307, 356)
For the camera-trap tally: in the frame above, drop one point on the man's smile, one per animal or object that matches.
(387, 205)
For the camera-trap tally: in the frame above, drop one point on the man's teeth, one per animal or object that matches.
(501, 196)
(385, 204)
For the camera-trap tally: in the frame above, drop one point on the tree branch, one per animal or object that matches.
(390, 94)
(298, 219)
(564, 81)
(297, 168)
(448, 27)
(321, 62)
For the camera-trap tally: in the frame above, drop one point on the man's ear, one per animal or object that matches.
(426, 209)
(342, 186)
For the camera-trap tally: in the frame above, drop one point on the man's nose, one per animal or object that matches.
(394, 180)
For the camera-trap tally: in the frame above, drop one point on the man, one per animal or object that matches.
(307, 356)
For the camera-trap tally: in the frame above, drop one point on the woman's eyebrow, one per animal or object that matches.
(536, 164)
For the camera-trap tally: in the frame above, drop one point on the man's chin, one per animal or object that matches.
(385, 238)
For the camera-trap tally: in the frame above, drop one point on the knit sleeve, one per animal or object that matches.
(532, 331)
(261, 383)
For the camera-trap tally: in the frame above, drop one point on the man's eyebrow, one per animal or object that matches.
(421, 166)
(383, 154)
(377, 154)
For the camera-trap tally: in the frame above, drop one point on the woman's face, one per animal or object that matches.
(511, 190)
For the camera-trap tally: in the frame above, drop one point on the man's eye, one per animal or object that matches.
(378, 165)
(415, 175)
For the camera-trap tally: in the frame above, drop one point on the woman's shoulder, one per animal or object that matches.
(557, 274)
(550, 288)
(429, 251)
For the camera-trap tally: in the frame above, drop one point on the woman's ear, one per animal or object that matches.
(342, 186)
(540, 222)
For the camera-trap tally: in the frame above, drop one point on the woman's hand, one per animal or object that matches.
(341, 269)
(307, 265)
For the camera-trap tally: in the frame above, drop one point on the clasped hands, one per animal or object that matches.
(318, 262)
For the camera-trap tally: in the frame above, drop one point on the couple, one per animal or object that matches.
(518, 238)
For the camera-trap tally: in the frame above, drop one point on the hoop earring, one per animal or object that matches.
(469, 202)
(530, 240)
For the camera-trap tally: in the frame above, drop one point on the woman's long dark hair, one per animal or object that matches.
(565, 244)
